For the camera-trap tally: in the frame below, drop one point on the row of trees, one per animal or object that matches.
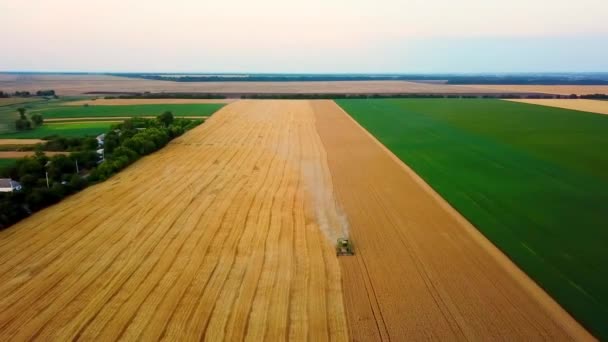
(23, 123)
(28, 94)
(422, 96)
(149, 95)
(123, 144)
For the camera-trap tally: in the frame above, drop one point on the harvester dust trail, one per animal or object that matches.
(214, 237)
(229, 233)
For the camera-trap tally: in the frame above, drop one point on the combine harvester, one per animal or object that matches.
(344, 247)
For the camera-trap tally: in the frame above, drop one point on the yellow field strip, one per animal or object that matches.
(20, 141)
(214, 237)
(592, 106)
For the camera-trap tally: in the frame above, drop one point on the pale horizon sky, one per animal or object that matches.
(314, 36)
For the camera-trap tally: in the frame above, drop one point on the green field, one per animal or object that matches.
(7, 162)
(205, 109)
(70, 129)
(8, 110)
(533, 179)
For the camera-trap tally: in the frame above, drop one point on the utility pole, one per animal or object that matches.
(77, 171)
(47, 173)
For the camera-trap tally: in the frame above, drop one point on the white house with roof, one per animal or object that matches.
(100, 139)
(9, 185)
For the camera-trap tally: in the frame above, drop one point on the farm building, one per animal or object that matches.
(9, 185)
(100, 139)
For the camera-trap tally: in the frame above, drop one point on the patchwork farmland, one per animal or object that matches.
(229, 233)
(89, 118)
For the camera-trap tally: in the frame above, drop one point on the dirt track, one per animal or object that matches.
(227, 233)
(421, 271)
(20, 141)
(593, 106)
(214, 237)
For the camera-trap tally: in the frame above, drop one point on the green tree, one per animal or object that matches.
(21, 111)
(166, 118)
(37, 119)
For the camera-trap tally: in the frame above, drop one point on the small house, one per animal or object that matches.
(9, 185)
(100, 139)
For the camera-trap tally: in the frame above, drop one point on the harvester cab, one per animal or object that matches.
(344, 247)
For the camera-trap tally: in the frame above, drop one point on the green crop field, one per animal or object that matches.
(70, 129)
(7, 162)
(533, 179)
(8, 109)
(205, 109)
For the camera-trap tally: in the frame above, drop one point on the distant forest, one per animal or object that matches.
(511, 79)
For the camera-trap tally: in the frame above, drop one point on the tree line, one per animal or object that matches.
(148, 95)
(49, 92)
(47, 180)
(504, 79)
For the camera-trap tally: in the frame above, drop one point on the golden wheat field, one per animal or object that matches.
(214, 237)
(544, 89)
(228, 234)
(592, 106)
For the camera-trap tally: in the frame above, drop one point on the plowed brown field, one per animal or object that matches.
(227, 233)
(214, 237)
(421, 271)
(80, 84)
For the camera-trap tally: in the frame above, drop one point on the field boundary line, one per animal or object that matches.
(554, 309)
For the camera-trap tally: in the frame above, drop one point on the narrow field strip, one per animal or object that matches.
(215, 237)
(130, 102)
(110, 118)
(583, 105)
(23, 142)
(192, 109)
(22, 154)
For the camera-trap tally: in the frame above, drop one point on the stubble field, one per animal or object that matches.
(228, 233)
(213, 237)
(583, 105)
(546, 89)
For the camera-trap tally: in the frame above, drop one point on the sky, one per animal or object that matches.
(312, 36)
